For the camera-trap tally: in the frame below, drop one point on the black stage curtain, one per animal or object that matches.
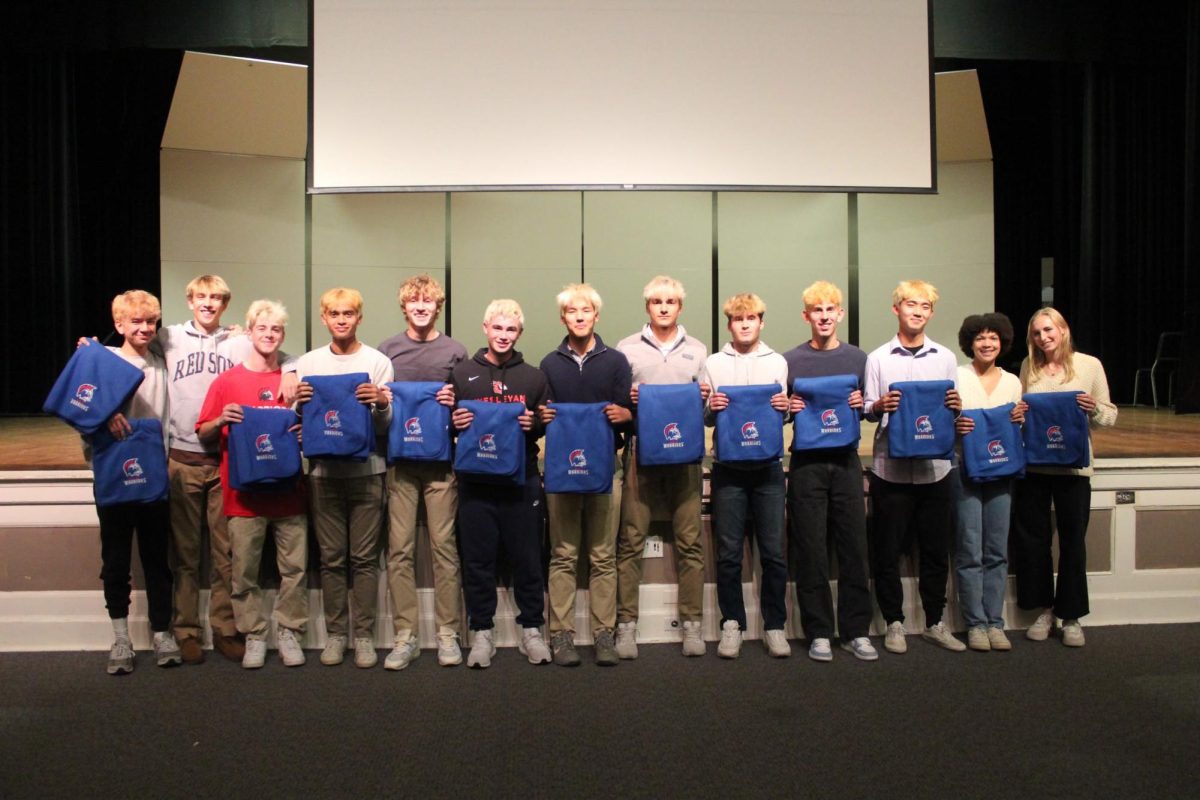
(80, 134)
(1091, 169)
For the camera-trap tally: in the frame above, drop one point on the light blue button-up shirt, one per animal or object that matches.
(886, 365)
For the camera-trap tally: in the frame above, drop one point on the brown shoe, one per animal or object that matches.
(232, 647)
(191, 650)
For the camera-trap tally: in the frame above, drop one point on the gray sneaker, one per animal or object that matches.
(606, 649)
(482, 650)
(404, 651)
(335, 650)
(120, 657)
(256, 652)
(627, 640)
(731, 639)
(365, 655)
(862, 648)
(819, 649)
(533, 646)
(940, 635)
(290, 651)
(166, 650)
(693, 639)
(563, 645)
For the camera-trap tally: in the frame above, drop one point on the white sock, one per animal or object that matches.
(121, 628)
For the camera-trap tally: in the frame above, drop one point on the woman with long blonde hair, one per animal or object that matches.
(1054, 366)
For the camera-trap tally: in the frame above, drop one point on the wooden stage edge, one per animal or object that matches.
(44, 443)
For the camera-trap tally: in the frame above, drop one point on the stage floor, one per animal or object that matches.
(46, 443)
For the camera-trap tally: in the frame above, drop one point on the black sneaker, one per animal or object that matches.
(563, 645)
(606, 650)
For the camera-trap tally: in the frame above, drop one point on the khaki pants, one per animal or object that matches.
(407, 484)
(247, 535)
(196, 493)
(678, 487)
(584, 521)
(347, 516)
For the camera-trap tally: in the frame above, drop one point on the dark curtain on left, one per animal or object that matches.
(80, 133)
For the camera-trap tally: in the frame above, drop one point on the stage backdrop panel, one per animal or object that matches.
(512, 93)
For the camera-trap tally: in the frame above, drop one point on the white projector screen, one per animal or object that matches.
(647, 94)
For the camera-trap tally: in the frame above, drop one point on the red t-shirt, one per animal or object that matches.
(240, 385)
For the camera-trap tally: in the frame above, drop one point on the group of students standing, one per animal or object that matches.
(202, 381)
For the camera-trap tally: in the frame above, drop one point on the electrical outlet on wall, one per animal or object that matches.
(653, 547)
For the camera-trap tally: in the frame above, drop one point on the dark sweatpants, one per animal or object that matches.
(118, 524)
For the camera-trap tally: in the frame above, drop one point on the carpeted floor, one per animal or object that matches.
(1119, 718)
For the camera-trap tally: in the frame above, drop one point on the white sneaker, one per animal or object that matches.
(290, 651)
(862, 648)
(978, 639)
(997, 640)
(893, 640)
(166, 650)
(731, 639)
(627, 640)
(256, 652)
(449, 653)
(775, 640)
(693, 639)
(404, 651)
(820, 650)
(335, 650)
(365, 655)
(482, 649)
(940, 635)
(1072, 633)
(1041, 627)
(120, 657)
(534, 647)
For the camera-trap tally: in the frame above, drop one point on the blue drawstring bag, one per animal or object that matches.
(580, 447)
(670, 424)
(993, 450)
(93, 386)
(264, 455)
(492, 448)
(130, 470)
(420, 427)
(748, 429)
(922, 427)
(333, 423)
(827, 421)
(1056, 430)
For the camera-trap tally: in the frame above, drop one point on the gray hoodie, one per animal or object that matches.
(193, 360)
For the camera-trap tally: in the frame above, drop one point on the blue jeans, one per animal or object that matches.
(981, 555)
(758, 493)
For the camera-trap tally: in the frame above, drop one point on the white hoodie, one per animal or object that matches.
(731, 368)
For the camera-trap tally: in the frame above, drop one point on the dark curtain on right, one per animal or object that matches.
(1092, 170)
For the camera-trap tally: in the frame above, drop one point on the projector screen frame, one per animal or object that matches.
(617, 187)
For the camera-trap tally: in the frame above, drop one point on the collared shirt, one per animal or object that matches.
(886, 365)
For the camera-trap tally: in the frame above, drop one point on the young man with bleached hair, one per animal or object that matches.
(491, 516)
(196, 352)
(661, 353)
(751, 489)
(423, 353)
(347, 496)
(910, 494)
(584, 370)
(135, 316)
(250, 514)
(825, 494)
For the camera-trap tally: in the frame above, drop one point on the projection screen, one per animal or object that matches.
(643, 94)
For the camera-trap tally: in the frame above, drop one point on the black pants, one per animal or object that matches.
(510, 516)
(1034, 531)
(901, 512)
(117, 526)
(825, 502)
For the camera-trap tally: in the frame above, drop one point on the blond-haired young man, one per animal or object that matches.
(347, 496)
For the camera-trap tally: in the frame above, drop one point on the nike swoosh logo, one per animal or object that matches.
(471, 378)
